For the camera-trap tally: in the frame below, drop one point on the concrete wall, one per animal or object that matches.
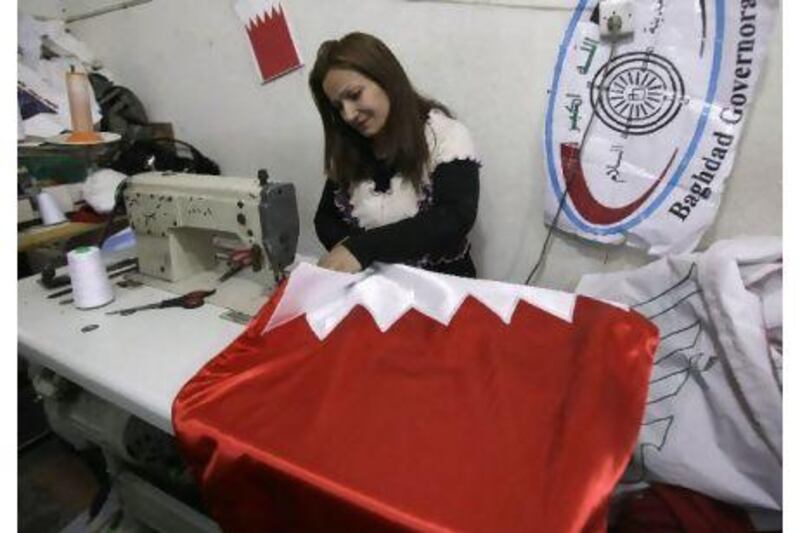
(188, 60)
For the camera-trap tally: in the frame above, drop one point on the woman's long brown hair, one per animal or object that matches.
(348, 154)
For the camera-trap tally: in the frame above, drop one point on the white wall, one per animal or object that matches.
(188, 60)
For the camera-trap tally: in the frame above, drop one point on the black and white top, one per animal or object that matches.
(386, 219)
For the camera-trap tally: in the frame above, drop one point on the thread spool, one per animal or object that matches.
(48, 209)
(80, 109)
(90, 284)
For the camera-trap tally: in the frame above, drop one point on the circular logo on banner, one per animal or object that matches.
(625, 176)
(642, 92)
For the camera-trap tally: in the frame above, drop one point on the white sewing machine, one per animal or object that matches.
(185, 222)
(109, 381)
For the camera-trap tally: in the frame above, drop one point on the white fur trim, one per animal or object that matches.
(448, 140)
(375, 209)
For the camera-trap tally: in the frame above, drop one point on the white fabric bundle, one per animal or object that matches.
(100, 187)
(713, 419)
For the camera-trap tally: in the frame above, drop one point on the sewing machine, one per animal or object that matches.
(185, 222)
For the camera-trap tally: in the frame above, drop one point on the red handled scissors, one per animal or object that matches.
(236, 263)
(190, 300)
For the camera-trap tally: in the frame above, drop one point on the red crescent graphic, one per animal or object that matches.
(585, 203)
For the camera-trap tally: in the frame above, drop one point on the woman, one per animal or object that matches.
(402, 174)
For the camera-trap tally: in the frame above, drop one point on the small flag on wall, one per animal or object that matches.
(271, 39)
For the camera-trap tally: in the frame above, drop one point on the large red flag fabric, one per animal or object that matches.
(523, 422)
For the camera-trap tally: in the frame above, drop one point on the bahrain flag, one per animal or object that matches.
(399, 399)
(273, 47)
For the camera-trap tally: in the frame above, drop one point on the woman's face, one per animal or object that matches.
(362, 103)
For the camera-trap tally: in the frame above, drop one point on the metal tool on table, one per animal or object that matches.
(237, 261)
(191, 300)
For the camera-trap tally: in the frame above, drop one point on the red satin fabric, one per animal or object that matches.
(475, 426)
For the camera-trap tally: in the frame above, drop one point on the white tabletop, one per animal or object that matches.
(138, 362)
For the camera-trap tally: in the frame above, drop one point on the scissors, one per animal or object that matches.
(236, 263)
(190, 300)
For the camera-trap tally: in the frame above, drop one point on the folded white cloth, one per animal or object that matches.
(100, 188)
(713, 419)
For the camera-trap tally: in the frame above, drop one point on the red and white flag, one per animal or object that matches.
(271, 40)
(400, 399)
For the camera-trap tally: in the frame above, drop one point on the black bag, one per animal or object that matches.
(145, 155)
(123, 112)
(139, 151)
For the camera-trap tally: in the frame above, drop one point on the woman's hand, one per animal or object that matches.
(341, 260)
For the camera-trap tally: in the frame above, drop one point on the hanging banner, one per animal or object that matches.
(665, 114)
(43, 101)
(274, 49)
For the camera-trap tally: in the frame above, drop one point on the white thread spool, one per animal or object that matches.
(90, 284)
(48, 209)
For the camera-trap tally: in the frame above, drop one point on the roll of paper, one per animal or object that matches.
(90, 284)
(48, 209)
(80, 108)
